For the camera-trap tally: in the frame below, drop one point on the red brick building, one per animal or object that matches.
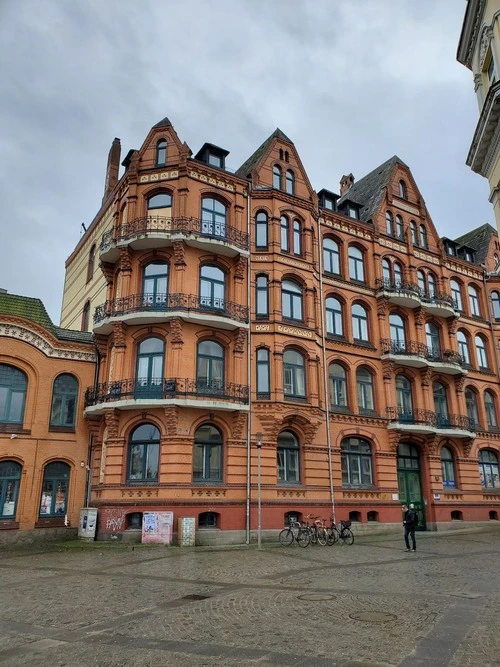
(360, 344)
(44, 438)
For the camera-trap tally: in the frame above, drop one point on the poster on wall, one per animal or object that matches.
(157, 527)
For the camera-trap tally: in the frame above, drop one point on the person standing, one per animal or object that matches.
(410, 521)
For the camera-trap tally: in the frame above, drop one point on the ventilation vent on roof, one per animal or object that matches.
(3, 291)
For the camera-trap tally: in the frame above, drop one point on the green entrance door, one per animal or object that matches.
(409, 483)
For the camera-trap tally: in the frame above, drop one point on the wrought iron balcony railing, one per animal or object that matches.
(413, 289)
(186, 226)
(163, 388)
(432, 419)
(164, 303)
(414, 348)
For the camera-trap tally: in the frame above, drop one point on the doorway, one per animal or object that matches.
(409, 480)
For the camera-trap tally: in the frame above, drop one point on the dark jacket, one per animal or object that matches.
(410, 519)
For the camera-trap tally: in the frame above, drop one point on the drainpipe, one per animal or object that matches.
(249, 363)
(88, 476)
(325, 370)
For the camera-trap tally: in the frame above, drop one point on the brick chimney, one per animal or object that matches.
(113, 167)
(345, 183)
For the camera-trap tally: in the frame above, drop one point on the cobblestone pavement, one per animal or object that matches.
(370, 604)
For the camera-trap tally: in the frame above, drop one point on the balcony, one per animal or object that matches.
(410, 295)
(138, 309)
(417, 355)
(138, 393)
(426, 422)
(478, 157)
(156, 232)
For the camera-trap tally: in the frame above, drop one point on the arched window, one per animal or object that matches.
(413, 232)
(474, 301)
(422, 283)
(55, 489)
(64, 401)
(285, 233)
(456, 294)
(423, 236)
(356, 455)
(331, 256)
(495, 302)
(356, 264)
(482, 356)
(208, 520)
(403, 193)
(400, 234)
(360, 323)
(263, 373)
(491, 410)
(281, 154)
(364, 385)
(471, 405)
(212, 287)
(277, 177)
(294, 374)
(447, 467)
(86, 316)
(13, 387)
(488, 469)
(398, 274)
(150, 364)
(297, 238)
(338, 386)
(441, 405)
(397, 331)
(10, 480)
(155, 285)
(262, 296)
(389, 223)
(334, 325)
(210, 368)
(207, 459)
(162, 200)
(404, 399)
(291, 300)
(161, 153)
(213, 218)
(144, 454)
(288, 458)
(433, 341)
(386, 273)
(290, 182)
(431, 285)
(261, 230)
(91, 263)
(463, 347)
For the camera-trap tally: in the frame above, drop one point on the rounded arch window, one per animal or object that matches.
(290, 182)
(291, 300)
(155, 284)
(64, 401)
(441, 405)
(10, 480)
(471, 405)
(331, 256)
(338, 386)
(364, 386)
(422, 283)
(261, 230)
(210, 368)
(386, 272)
(55, 489)
(399, 227)
(397, 331)
(161, 153)
(212, 287)
(91, 263)
(495, 302)
(356, 457)
(334, 324)
(294, 374)
(356, 264)
(144, 454)
(413, 232)
(456, 293)
(288, 462)
(447, 467)
(488, 469)
(423, 236)
(161, 200)
(474, 301)
(403, 192)
(482, 356)
(404, 399)
(285, 233)
(13, 387)
(389, 223)
(431, 285)
(398, 274)
(491, 410)
(277, 177)
(360, 323)
(207, 460)
(433, 341)
(463, 346)
(213, 218)
(149, 373)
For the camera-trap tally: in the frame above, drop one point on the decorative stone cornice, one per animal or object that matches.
(45, 344)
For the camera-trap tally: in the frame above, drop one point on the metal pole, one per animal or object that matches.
(259, 493)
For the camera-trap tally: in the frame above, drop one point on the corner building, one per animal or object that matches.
(359, 346)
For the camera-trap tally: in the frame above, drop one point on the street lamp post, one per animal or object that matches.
(259, 494)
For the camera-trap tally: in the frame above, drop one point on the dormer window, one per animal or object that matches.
(328, 204)
(161, 153)
(450, 250)
(403, 192)
(353, 212)
(212, 155)
(215, 160)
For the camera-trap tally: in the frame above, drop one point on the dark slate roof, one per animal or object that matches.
(255, 158)
(368, 190)
(164, 122)
(479, 240)
(34, 310)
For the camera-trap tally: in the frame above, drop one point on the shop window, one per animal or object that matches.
(13, 387)
(10, 480)
(64, 401)
(54, 490)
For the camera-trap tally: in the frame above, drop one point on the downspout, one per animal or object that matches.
(88, 467)
(325, 370)
(249, 363)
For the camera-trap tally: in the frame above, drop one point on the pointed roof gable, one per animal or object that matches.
(164, 122)
(249, 165)
(368, 190)
(478, 239)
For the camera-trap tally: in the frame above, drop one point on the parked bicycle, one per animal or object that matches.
(316, 530)
(341, 533)
(294, 532)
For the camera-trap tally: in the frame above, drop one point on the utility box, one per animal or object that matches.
(88, 524)
(186, 531)
(157, 527)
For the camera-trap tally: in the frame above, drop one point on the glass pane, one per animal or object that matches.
(152, 454)
(136, 461)
(198, 462)
(56, 414)
(60, 497)
(263, 378)
(46, 499)
(214, 462)
(281, 464)
(69, 417)
(293, 465)
(16, 407)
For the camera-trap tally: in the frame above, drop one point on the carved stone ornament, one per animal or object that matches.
(45, 344)
(420, 317)
(171, 419)
(486, 37)
(239, 271)
(453, 326)
(394, 439)
(426, 376)
(388, 369)
(125, 262)
(111, 421)
(176, 335)
(239, 345)
(119, 334)
(467, 447)
(382, 307)
(179, 253)
(239, 425)
(459, 383)
(108, 270)
(432, 444)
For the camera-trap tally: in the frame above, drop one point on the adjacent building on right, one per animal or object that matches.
(479, 50)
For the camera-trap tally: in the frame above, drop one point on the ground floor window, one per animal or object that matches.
(208, 520)
(10, 479)
(54, 489)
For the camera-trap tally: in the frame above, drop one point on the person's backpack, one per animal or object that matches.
(411, 518)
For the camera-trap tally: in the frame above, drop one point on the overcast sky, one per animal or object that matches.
(350, 82)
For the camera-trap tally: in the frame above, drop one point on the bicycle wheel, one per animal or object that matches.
(314, 536)
(347, 536)
(331, 536)
(322, 537)
(304, 538)
(286, 537)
